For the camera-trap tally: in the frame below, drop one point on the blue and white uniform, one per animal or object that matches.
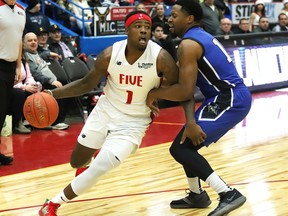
(227, 99)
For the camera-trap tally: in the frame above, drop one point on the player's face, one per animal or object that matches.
(139, 34)
(178, 21)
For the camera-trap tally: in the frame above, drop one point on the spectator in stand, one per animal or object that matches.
(110, 3)
(259, 11)
(126, 2)
(157, 31)
(34, 17)
(211, 16)
(150, 2)
(43, 46)
(88, 16)
(169, 2)
(25, 87)
(282, 23)
(68, 20)
(141, 7)
(94, 3)
(15, 110)
(263, 25)
(285, 7)
(223, 6)
(160, 18)
(41, 73)
(225, 27)
(243, 26)
(56, 44)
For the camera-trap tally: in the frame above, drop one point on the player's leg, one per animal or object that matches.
(81, 156)
(187, 155)
(215, 119)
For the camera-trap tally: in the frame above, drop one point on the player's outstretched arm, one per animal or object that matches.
(90, 81)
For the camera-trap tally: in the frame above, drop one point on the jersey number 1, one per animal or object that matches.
(129, 97)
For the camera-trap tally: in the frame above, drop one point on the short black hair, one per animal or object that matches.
(192, 8)
(157, 24)
(135, 12)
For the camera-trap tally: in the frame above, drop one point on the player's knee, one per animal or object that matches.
(174, 150)
(81, 156)
(76, 163)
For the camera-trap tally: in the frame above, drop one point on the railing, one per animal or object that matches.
(69, 12)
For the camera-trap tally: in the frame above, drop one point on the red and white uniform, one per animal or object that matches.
(120, 118)
(128, 85)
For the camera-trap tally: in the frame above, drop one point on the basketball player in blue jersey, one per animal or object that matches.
(203, 62)
(119, 120)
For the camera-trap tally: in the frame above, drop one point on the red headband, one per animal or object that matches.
(138, 16)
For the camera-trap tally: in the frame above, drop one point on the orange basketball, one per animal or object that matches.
(40, 109)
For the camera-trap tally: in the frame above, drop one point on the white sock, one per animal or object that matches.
(60, 198)
(217, 184)
(194, 185)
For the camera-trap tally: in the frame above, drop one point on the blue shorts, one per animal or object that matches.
(217, 115)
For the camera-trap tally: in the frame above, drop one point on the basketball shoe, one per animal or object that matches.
(49, 209)
(5, 160)
(193, 200)
(228, 202)
(82, 169)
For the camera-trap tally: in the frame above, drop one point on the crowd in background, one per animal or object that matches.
(214, 12)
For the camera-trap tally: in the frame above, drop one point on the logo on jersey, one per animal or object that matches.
(118, 62)
(83, 136)
(21, 13)
(145, 65)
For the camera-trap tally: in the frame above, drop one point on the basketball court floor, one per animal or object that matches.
(252, 157)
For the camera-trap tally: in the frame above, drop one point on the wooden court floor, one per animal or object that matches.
(252, 157)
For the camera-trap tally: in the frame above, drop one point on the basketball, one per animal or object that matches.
(40, 110)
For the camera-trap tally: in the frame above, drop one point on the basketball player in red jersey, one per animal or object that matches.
(119, 120)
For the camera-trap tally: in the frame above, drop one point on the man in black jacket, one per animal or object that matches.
(65, 50)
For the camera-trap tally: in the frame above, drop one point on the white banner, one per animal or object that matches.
(243, 10)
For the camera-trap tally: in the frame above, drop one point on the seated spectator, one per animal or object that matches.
(95, 3)
(285, 7)
(225, 27)
(56, 45)
(243, 27)
(259, 11)
(126, 2)
(15, 110)
(25, 87)
(140, 7)
(68, 20)
(41, 73)
(282, 23)
(160, 18)
(34, 17)
(43, 46)
(110, 3)
(263, 25)
(88, 16)
(150, 2)
(157, 31)
(262, 28)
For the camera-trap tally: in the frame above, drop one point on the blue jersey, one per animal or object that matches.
(216, 71)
